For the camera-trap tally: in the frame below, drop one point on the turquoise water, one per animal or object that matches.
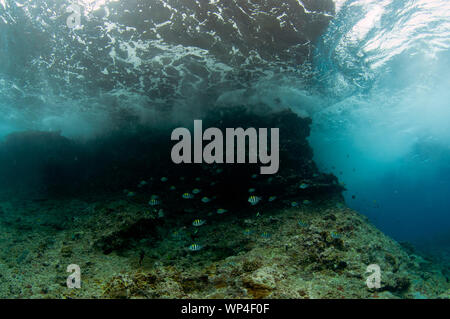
(372, 75)
(386, 133)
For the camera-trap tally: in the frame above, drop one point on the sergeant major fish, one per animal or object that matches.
(198, 222)
(187, 196)
(254, 200)
(195, 247)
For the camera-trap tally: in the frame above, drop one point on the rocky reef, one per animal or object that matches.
(51, 164)
(126, 251)
(124, 220)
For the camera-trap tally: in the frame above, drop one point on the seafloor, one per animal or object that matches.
(293, 260)
(63, 203)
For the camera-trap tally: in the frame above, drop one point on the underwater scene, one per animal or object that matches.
(224, 149)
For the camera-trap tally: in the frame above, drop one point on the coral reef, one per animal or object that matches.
(295, 262)
(133, 233)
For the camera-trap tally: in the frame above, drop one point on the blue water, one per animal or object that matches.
(385, 132)
(376, 87)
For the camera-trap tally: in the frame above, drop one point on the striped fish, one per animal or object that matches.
(195, 247)
(198, 222)
(188, 196)
(254, 199)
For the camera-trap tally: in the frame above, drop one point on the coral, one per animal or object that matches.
(256, 290)
(66, 251)
(125, 250)
(260, 283)
(295, 262)
(126, 286)
(250, 265)
(395, 283)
